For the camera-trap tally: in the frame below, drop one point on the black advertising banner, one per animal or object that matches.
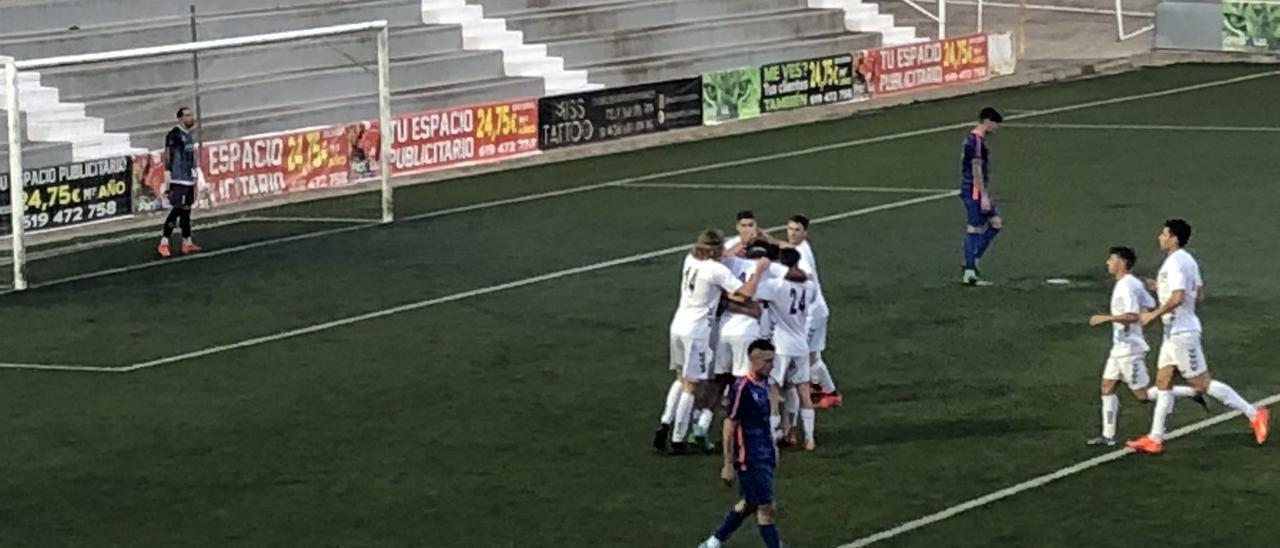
(811, 82)
(614, 113)
(72, 194)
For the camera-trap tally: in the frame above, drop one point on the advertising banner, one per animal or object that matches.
(454, 136)
(1251, 26)
(71, 194)
(922, 65)
(732, 94)
(811, 82)
(614, 113)
(332, 156)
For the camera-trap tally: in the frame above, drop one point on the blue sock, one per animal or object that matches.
(986, 238)
(971, 244)
(770, 535)
(732, 521)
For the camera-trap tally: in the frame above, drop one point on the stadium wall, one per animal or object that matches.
(1219, 25)
(642, 134)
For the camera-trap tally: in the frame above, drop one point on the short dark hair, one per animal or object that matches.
(757, 249)
(181, 111)
(1180, 230)
(990, 113)
(1126, 254)
(746, 214)
(762, 345)
(801, 219)
(789, 257)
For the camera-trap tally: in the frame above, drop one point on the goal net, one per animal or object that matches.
(277, 122)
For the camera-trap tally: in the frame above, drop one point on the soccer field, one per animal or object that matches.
(490, 376)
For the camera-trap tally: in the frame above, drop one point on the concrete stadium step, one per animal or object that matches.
(637, 70)
(175, 72)
(36, 155)
(156, 31)
(286, 90)
(354, 108)
(538, 25)
(62, 14)
(691, 35)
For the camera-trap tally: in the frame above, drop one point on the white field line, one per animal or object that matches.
(803, 188)
(48, 367)
(1064, 9)
(499, 287)
(657, 175)
(1041, 481)
(1149, 127)
(107, 242)
(321, 220)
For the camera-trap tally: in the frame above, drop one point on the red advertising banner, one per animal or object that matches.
(461, 135)
(272, 164)
(912, 67)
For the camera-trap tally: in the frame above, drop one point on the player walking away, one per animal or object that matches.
(1127, 361)
(1179, 288)
(983, 220)
(789, 298)
(819, 314)
(703, 280)
(749, 451)
(180, 164)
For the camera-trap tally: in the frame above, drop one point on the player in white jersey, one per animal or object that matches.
(703, 280)
(816, 323)
(789, 298)
(1179, 288)
(737, 327)
(1127, 360)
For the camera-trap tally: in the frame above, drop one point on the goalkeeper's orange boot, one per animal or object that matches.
(1146, 444)
(1260, 424)
(163, 249)
(189, 247)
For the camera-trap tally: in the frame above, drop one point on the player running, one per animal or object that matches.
(749, 451)
(819, 314)
(1179, 288)
(1127, 361)
(704, 279)
(789, 298)
(983, 221)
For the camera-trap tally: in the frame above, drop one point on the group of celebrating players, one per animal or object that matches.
(752, 320)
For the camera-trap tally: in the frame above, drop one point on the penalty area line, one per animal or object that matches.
(50, 367)
(800, 188)
(1149, 127)
(1041, 481)
(325, 326)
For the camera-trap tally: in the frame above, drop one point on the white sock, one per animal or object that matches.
(822, 376)
(1110, 409)
(775, 424)
(704, 420)
(806, 419)
(1227, 395)
(792, 405)
(673, 395)
(683, 409)
(712, 542)
(1164, 406)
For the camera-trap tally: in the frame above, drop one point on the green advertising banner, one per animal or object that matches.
(1251, 26)
(730, 95)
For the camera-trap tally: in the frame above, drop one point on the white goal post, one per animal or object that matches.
(17, 192)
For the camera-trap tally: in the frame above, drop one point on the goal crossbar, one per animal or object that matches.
(11, 67)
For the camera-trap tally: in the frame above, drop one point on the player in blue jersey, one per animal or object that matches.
(749, 451)
(983, 221)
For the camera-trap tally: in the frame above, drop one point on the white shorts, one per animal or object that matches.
(817, 333)
(1184, 351)
(691, 357)
(731, 355)
(790, 370)
(1132, 369)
